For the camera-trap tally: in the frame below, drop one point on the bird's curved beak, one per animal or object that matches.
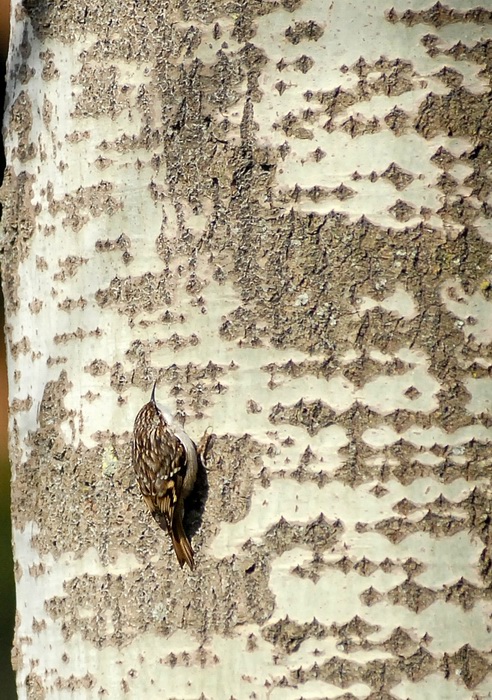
(152, 396)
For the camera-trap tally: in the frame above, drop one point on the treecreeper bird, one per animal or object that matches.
(166, 464)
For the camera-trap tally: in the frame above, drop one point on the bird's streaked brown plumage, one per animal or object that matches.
(165, 464)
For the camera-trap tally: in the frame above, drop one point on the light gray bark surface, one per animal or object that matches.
(281, 211)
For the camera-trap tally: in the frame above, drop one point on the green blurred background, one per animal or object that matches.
(7, 608)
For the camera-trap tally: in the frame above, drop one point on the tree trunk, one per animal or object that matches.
(281, 212)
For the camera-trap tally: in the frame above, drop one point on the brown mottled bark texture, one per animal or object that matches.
(281, 212)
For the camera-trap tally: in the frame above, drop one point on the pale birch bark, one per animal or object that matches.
(282, 211)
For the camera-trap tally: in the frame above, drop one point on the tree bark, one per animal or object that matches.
(281, 212)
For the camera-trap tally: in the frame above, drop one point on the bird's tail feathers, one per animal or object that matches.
(181, 543)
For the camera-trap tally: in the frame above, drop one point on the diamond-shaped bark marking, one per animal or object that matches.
(442, 504)
(151, 290)
(450, 77)
(284, 150)
(437, 19)
(281, 87)
(440, 525)
(459, 209)
(356, 419)
(301, 474)
(319, 534)
(420, 665)
(282, 533)
(451, 414)
(402, 420)
(443, 158)
(336, 101)
(316, 193)
(387, 565)
(464, 593)
(412, 596)
(343, 192)
(319, 154)
(312, 570)
(481, 188)
(364, 368)
(405, 507)
(408, 468)
(323, 368)
(371, 596)
(402, 211)
(478, 504)
(395, 529)
(398, 177)
(289, 635)
(412, 567)
(364, 567)
(399, 643)
(408, 472)
(447, 183)
(344, 564)
(308, 456)
(298, 31)
(357, 627)
(361, 68)
(413, 393)
(431, 44)
(439, 15)
(340, 672)
(468, 664)
(381, 675)
(355, 470)
(304, 64)
(313, 415)
(397, 120)
(291, 126)
(379, 491)
(359, 126)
